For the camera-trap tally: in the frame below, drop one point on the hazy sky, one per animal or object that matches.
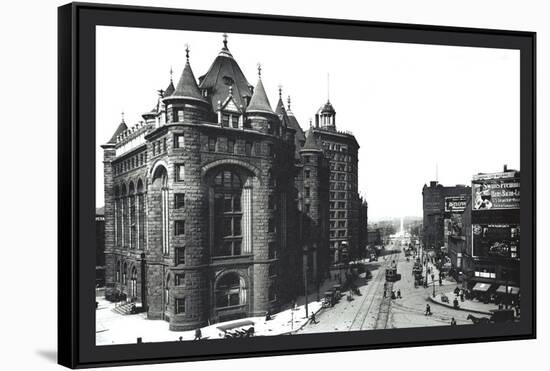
(411, 107)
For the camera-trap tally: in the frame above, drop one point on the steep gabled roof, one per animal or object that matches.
(259, 101)
(225, 72)
(230, 105)
(293, 123)
(121, 128)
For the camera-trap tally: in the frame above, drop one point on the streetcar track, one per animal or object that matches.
(376, 282)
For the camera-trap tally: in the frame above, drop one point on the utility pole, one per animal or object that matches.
(305, 261)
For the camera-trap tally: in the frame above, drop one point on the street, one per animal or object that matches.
(372, 310)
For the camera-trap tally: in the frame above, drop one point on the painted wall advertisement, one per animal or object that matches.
(454, 225)
(495, 240)
(495, 194)
(455, 204)
(454, 207)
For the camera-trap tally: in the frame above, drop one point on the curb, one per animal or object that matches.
(459, 308)
(291, 332)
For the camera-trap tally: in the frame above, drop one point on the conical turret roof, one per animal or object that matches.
(280, 109)
(187, 85)
(169, 89)
(259, 101)
(311, 143)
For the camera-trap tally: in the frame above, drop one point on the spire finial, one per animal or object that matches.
(122, 115)
(310, 122)
(288, 102)
(171, 72)
(187, 52)
(280, 91)
(225, 40)
(230, 90)
(328, 87)
(259, 70)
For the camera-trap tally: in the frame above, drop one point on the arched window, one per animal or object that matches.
(167, 293)
(160, 182)
(124, 273)
(141, 215)
(117, 274)
(132, 216)
(230, 291)
(227, 214)
(117, 216)
(133, 283)
(123, 216)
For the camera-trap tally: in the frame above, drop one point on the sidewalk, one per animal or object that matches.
(114, 328)
(473, 306)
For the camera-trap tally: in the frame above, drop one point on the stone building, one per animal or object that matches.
(100, 247)
(216, 205)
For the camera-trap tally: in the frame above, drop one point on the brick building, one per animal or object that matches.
(434, 214)
(216, 205)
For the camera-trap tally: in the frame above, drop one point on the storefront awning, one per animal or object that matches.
(511, 289)
(480, 286)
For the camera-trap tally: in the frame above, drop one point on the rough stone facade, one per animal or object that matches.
(205, 211)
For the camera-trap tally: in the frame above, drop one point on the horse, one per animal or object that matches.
(478, 320)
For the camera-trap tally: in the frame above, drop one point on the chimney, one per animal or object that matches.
(505, 168)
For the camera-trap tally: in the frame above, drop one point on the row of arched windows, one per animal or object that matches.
(130, 215)
(124, 276)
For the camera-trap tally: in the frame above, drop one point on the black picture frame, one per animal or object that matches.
(76, 183)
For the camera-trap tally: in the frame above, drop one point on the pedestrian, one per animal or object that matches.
(453, 322)
(457, 291)
(462, 296)
(268, 316)
(198, 334)
(393, 294)
(455, 303)
(440, 281)
(385, 293)
(181, 338)
(428, 310)
(313, 319)
(399, 293)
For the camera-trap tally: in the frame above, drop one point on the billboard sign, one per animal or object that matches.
(495, 240)
(455, 204)
(495, 194)
(454, 226)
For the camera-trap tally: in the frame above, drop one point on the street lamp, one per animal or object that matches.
(305, 265)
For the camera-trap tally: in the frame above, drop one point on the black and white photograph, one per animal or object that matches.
(255, 185)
